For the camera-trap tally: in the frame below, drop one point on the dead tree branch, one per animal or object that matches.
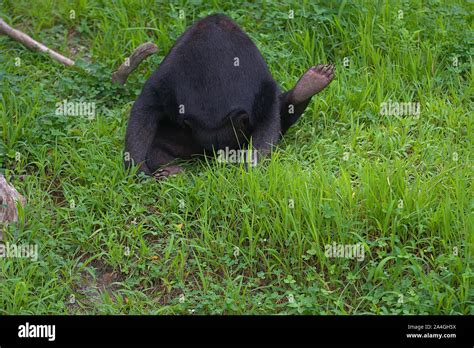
(9, 197)
(141, 52)
(32, 44)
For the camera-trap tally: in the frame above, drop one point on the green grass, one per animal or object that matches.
(221, 240)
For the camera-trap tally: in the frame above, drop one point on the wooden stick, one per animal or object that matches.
(32, 44)
(141, 52)
(120, 76)
(8, 200)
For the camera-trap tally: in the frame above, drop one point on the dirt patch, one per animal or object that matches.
(77, 47)
(89, 289)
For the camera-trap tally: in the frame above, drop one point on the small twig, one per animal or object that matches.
(32, 44)
(141, 52)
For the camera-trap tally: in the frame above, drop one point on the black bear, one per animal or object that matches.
(213, 90)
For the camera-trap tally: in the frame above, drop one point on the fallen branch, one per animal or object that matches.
(9, 197)
(141, 52)
(120, 76)
(32, 44)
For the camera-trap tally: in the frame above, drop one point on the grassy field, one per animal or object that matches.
(218, 239)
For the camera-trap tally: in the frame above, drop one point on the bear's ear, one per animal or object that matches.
(240, 120)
